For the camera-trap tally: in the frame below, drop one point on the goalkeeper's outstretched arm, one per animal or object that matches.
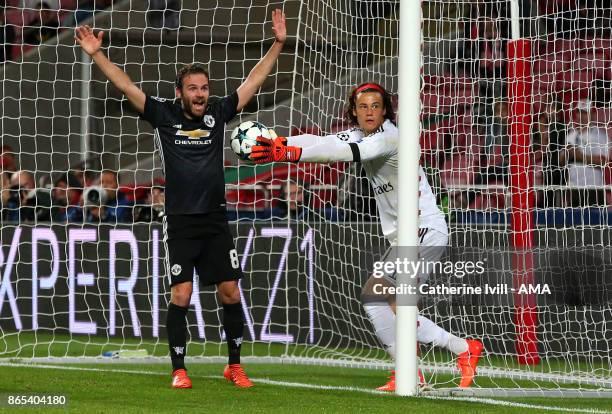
(321, 149)
(326, 149)
(306, 148)
(91, 44)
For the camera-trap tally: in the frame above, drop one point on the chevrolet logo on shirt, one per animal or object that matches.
(195, 134)
(193, 137)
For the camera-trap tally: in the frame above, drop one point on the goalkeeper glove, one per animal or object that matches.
(274, 150)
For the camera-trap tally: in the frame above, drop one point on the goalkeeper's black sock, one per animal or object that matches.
(233, 324)
(176, 325)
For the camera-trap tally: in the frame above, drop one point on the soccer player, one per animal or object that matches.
(189, 135)
(373, 141)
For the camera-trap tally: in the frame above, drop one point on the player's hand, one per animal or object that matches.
(278, 26)
(85, 37)
(274, 150)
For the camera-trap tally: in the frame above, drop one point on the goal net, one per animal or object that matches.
(514, 142)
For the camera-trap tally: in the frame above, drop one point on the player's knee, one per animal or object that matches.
(366, 290)
(372, 291)
(229, 298)
(229, 292)
(181, 294)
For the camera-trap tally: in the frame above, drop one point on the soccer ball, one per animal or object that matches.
(245, 136)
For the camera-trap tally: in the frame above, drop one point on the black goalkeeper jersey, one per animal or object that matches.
(192, 153)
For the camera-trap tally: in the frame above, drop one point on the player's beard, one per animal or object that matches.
(188, 107)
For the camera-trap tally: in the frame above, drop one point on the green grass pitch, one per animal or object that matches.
(109, 388)
(142, 388)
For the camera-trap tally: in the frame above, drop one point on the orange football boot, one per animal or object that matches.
(180, 379)
(467, 362)
(390, 385)
(234, 373)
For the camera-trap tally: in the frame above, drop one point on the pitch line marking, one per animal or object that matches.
(267, 381)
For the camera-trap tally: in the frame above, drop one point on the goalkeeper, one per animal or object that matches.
(189, 136)
(373, 141)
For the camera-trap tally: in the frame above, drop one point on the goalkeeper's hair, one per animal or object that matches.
(368, 87)
(187, 70)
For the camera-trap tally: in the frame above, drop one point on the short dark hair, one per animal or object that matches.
(189, 70)
(368, 87)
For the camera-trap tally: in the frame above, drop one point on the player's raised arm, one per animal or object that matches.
(258, 74)
(91, 44)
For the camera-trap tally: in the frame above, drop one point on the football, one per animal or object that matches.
(245, 136)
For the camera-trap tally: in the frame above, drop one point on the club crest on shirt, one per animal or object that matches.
(176, 269)
(209, 121)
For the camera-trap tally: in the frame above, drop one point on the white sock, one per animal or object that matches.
(430, 333)
(383, 319)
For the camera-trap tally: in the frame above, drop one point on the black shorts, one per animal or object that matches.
(202, 243)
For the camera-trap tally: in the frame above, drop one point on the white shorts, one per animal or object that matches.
(432, 246)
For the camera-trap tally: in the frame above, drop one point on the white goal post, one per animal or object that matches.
(409, 112)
